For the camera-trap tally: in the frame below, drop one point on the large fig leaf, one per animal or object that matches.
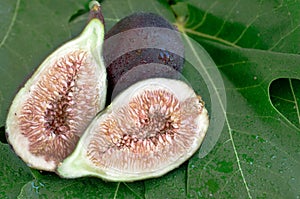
(255, 45)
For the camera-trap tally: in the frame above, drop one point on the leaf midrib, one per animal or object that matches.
(226, 118)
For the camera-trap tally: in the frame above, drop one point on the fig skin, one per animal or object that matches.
(149, 129)
(139, 20)
(121, 59)
(41, 103)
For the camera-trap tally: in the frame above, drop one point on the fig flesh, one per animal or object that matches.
(51, 111)
(149, 129)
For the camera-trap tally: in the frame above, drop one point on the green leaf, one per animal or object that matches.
(14, 173)
(51, 185)
(173, 185)
(256, 47)
(257, 155)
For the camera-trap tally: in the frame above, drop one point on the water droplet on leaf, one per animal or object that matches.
(268, 165)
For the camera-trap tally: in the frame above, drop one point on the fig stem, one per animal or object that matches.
(95, 11)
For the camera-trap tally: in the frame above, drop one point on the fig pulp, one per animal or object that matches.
(51, 111)
(149, 129)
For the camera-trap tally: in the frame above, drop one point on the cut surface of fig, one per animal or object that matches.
(149, 129)
(51, 111)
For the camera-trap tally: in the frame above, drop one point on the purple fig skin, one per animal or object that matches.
(129, 60)
(138, 57)
(139, 20)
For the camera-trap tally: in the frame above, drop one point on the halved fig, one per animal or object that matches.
(149, 129)
(51, 111)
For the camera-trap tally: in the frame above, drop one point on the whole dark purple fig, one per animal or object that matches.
(138, 47)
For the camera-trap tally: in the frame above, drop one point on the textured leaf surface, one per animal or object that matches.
(257, 155)
(14, 173)
(256, 46)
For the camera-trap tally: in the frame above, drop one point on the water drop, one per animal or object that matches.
(293, 178)
(29, 165)
(268, 165)
(36, 186)
(199, 193)
(164, 56)
(161, 55)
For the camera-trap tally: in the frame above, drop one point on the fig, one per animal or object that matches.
(136, 45)
(51, 111)
(149, 129)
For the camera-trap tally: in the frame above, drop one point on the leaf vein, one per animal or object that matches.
(295, 100)
(13, 20)
(130, 6)
(245, 29)
(113, 11)
(227, 181)
(283, 37)
(226, 118)
(117, 189)
(204, 17)
(156, 8)
(237, 158)
(226, 18)
(209, 161)
(211, 37)
(136, 194)
(233, 63)
(283, 99)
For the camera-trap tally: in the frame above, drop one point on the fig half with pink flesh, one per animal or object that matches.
(51, 111)
(148, 130)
